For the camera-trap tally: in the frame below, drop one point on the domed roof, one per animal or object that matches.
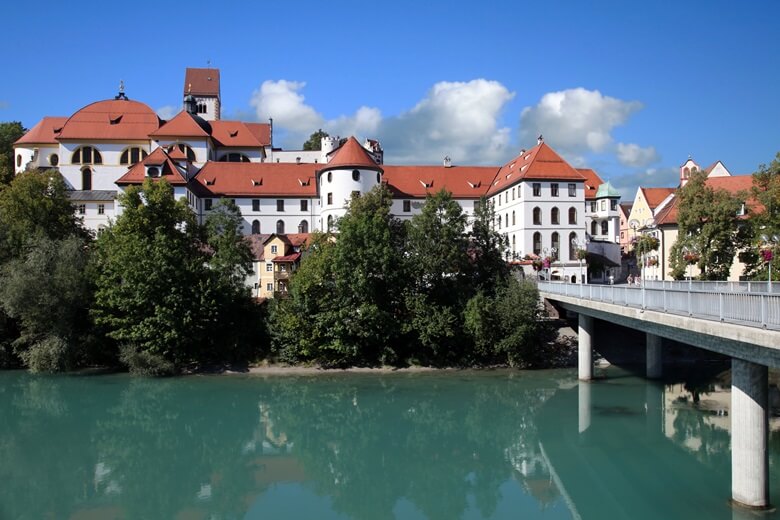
(351, 155)
(120, 119)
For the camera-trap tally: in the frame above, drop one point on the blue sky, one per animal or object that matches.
(627, 88)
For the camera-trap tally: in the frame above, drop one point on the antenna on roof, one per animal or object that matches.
(540, 139)
(121, 94)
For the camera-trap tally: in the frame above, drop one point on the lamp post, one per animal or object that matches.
(579, 246)
(767, 254)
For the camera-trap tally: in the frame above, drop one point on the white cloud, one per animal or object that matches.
(650, 178)
(168, 111)
(576, 120)
(636, 156)
(459, 119)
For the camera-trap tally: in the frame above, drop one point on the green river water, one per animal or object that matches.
(441, 445)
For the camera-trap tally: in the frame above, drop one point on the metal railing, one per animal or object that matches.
(714, 286)
(753, 309)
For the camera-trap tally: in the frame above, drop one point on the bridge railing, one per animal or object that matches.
(753, 309)
(715, 285)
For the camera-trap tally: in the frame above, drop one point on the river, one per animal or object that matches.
(433, 445)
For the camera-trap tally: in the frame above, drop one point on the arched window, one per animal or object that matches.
(303, 227)
(234, 157)
(572, 215)
(537, 243)
(378, 177)
(18, 160)
(355, 175)
(86, 179)
(573, 246)
(555, 250)
(513, 243)
(594, 229)
(686, 172)
(499, 221)
(330, 176)
(506, 220)
(54, 159)
(555, 216)
(513, 218)
(255, 227)
(132, 155)
(330, 222)
(280, 227)
(604, 228)
(537, 216)
(86, 155)
(184, 148)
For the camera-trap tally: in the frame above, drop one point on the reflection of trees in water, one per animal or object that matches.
(433, 440)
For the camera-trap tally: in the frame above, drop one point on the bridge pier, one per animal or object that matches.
(584, 405)
(585, 347)
(654, 354)
(749, 426)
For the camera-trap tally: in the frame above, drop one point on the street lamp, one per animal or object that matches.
(767, 255)
(580, 246)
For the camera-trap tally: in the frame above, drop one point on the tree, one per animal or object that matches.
(707, 223)
(315, 140)
(765, 220)
(10, 132)
(151, 280)
(486, 248)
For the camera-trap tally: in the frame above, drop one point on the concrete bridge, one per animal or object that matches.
(737, 322)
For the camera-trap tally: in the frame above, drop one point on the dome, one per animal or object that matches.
(606, 190)
(120, 119)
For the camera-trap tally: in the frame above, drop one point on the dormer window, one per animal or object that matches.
(153, 171)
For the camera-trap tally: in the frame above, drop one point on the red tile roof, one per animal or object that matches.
(732, 184)
(234, 134)
(45, 132)
(668, 215)
(655, 196)
(201, 82)
(183, 124)
(113, 119)
(540, 162)
(418, 181)
(137, 173)
(259, 179)
(177, 154)
(592, 182)
(351, 155)
(261, 131)
(256, 243)
(293, 257)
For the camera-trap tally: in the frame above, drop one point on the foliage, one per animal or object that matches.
(10, 132)
(646, 244)
(765, 220)
(486, 246)
(315, 140)
(708, 224)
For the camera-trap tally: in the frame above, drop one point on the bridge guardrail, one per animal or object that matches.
(754, 309)
(714, 286)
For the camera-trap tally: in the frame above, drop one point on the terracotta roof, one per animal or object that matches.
(351, 155)
(655, 196)
(45, 132)
(261, 131)
(183, 124)
(296, 239)
(668, 215)
(137, 173)
(288, 258)
(234, 134)
(260, 179)
(732, 184)
(256, 243)
(177, 154)
(540, 162)
(592, 182)
(119, 119)
(201, 82)
(418, 181)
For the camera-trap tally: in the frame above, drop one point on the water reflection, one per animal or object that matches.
(436, 446)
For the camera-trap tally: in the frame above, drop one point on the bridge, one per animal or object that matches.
(739, 321)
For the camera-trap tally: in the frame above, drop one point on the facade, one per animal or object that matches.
(100, 150)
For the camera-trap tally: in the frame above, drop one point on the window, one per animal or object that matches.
(513, 194)
(280, 227)
(330, 222)
(255, 227)
(330, 198)
(742, 211)
(378, 177)
(537, 216)
(269, 286)
(499, 201)
(555, 216)
(613, 205)
(622, 235)
(330, 176)
(18, 160)
(355, 175)
(537, 243)
(101, 209)
(554, 189)
(54, 159)
(603, 205)
(594, 228)
(513, 218)
(572, 215)
(280, 205)
(255, 204)
(537, 187)
(513, 243)
(86, 179)
(153, 171)
(556, 246)
(303, 227)
(304, 205)
(506, 219)
(82, 208)
(86, 155)
(234, 157)
(506, 197)
(604, 228)
(132, 155)
(274, 250)
(572, 189)
(499, 221)
(593, 206)
(573, 246)
(185, 149)
(207, 204)
(476, 206)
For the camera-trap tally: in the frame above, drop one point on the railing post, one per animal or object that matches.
(763, 310)
(720, 306)
(690, 308)
(643, 296)
(664, 299)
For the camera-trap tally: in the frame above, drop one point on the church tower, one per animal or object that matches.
(203, 86)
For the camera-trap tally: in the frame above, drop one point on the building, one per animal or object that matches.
(101, 149)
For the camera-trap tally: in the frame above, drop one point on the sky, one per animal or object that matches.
(630, 89)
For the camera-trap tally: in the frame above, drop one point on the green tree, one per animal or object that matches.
(486, 248)
(151, 280)
(315, 140)
(708, 223)
(10, 132)
(764, 219)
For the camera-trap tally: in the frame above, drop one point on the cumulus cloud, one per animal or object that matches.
(576, 120)
(636, 156)
(168, 111)
(459, 119)
(651, 177)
